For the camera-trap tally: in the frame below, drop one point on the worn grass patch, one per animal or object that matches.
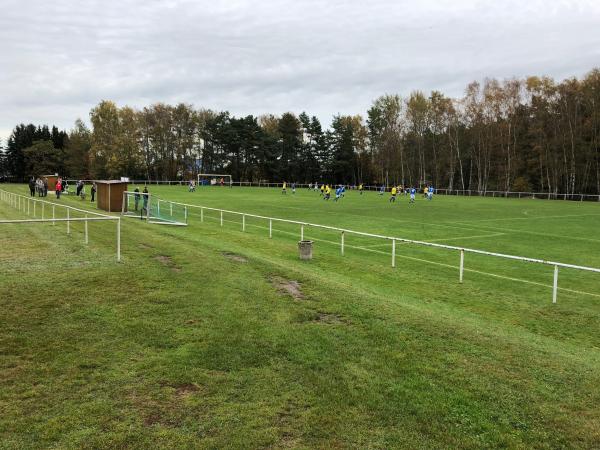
(235, 257)
(168, 262)
(288, 287)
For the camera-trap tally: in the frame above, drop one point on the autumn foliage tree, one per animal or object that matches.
(515, 134)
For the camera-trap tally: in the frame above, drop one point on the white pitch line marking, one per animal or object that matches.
(535, 233)
(564, 216)
(412, 258)
(481, 236)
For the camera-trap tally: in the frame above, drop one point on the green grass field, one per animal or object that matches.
(209, 337)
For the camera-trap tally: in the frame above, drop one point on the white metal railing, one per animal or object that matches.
(19, 202)
(29, 206)
(393, 240)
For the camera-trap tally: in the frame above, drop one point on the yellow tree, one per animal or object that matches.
(104, 152)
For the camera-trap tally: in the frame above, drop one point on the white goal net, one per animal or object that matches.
(214, 179)
(153, 209)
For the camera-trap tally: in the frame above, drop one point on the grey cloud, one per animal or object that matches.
(60, 58)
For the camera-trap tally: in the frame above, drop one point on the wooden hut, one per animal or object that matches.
(110, 194)
(52, 179)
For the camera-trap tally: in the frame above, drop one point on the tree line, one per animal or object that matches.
(516, 134)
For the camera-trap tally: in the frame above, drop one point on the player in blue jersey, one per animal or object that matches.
(338, 193)
(413, 192)
(430, 193)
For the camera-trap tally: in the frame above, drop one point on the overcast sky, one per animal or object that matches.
(59, 58)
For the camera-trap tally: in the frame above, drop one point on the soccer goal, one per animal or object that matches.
(214, 179)
(153, 209)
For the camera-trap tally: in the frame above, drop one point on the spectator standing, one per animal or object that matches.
(145, 200)
(136, 198)
(58, 189)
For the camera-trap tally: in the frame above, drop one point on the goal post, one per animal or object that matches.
(153, 209)
(214, 179)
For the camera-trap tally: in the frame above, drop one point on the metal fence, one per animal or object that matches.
(32, 206)
(441, 191)
(519, 194)
(393, 240)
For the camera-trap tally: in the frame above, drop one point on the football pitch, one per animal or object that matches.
(210, 336)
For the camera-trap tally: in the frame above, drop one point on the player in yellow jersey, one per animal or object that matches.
(394, 192)
(360, 188)
(284, 188)
(322, 190)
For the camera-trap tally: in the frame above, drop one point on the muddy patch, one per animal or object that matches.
(185, 390)
(168, 262)
(158, 418)
(329, 318)
(289, 287)
(182, 390)
(234, 257)
(165, 260)
(152, 419)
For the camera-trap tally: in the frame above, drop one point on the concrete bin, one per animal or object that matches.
(305, 250)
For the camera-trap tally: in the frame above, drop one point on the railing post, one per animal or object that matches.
(221, 218)
(393, 252)
(68, 222)
(86, 229)
(33, 209)
(28, 205)
(119, 239)
(555, 284)
(270, 228)
(243, 222)
(201, 215)
(342, 244)
(43, 204)
(53, 215)
(185, 213)
(301, 232)
(171, 208)
(462, 266)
